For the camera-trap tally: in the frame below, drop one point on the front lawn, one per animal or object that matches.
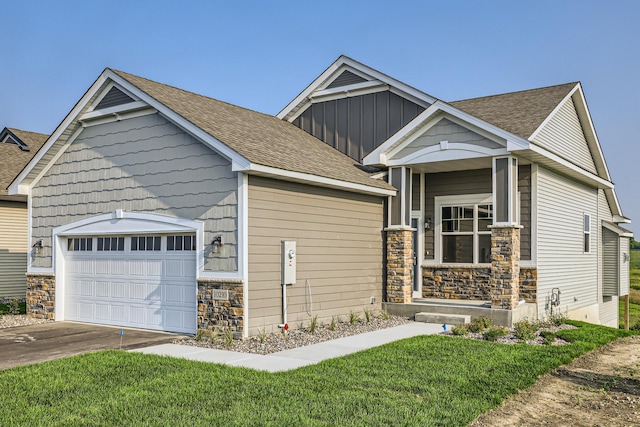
(429, 380)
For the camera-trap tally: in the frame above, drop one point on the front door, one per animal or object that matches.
(417, 291)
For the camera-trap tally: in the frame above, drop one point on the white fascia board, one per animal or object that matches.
(591, 130)
(614, 204)
(600, 182)
(73, 114)
(618, 230)
(55, 158)
(455, 151)
(181, 122)
(135, 105)
(402, 137)
(363, 87)
(316, 180)
(620, 219)
(358, 68)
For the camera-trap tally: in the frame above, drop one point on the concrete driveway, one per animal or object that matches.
(38, 343)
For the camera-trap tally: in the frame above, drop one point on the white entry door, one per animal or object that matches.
(146, 281)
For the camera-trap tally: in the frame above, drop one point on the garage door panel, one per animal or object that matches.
(150, 290)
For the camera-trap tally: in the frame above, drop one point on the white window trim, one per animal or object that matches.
(467, 199)
(586, 234)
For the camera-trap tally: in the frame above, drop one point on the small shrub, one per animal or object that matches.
(484, 321)
(460, 330)
(495, 333)
(14, 306)
(213, 335)
(353, 317)
(200, 334)
(313, 325)
(548, 337)
(525, 330)
(228, 338)
(367, 315)
(334, 322)
(385, 314)
(262, 335)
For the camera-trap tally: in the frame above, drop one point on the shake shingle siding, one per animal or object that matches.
(144, 164)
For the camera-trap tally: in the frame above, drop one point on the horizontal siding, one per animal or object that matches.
(624, 265)
(611, 262)
(445, 130)
(339, 252)
(564, 136)
(604, 214)
(562, 262)
(13, 249)
(609, 312)
(145, 164)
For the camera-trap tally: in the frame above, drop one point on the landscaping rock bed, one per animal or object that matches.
(511, 338)
(13, 321)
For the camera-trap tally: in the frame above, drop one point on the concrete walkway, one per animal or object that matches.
(296, 357)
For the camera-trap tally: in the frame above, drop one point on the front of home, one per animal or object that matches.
(158, 208)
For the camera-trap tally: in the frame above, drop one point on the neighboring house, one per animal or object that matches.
(17, 147)
(158, 208)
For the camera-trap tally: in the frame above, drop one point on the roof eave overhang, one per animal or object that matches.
(622, 232)
(54, 147)
(315, 180)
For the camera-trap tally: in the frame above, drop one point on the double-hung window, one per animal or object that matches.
(463, 235)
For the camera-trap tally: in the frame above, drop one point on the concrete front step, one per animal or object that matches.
(449, 319)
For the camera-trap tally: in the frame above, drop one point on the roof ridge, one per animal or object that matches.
(120, 72)
(515, 92)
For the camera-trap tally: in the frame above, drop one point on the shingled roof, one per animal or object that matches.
(13, 159)
(520, 113)
(260, 138)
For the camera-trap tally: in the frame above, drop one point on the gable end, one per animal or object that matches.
(345, 79)
(113, 98)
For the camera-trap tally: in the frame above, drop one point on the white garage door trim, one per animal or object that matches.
(120, 223)
(144, 281)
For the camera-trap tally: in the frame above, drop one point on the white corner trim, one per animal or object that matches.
(243, 243)
(315, 180)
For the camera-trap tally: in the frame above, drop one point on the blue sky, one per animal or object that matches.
(261, 54)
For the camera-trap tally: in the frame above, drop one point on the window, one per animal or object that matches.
(464, 236)
(181, 243)
(111, 244)
(587, 233)
(80, 244)
(145, 243)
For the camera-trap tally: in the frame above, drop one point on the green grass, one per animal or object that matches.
(4, 308)
(429, 380)
(634, 292)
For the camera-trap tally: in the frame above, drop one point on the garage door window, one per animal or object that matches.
(145, 243)
(181, 243)
(111, 244)
(80, 244)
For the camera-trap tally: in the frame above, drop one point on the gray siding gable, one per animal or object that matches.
(144, 164)
(446, 130)
(357, 125)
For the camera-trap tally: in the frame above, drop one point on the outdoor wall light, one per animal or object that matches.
(37, 246)
(427, 223)
(217, 240)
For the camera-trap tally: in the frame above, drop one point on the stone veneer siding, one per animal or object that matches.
(472, 282)
(221, 314)
(399, 265)
(505, 266)
(41, 296)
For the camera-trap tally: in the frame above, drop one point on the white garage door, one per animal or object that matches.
(144, 282)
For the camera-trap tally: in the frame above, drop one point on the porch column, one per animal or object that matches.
(505, 266)
(399, 264)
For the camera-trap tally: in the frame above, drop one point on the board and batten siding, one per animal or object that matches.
(562, 262)
(357, 125)
(339, 252)
(13, 249)
(476, 181)
(143, 164)
(563, 135)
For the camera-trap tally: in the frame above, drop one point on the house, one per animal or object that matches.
(158, 208)
(17, 147)
(503, 201)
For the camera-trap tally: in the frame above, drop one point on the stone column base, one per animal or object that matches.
(41, 295)
(505, 266)
(399, 265)
(221, 306)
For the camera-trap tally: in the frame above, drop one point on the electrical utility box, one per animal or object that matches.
(288, 268)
